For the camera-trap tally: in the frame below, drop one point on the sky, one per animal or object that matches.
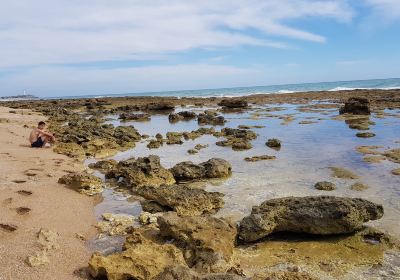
(75, 47)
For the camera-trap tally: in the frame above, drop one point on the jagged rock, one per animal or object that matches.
(83, 183)
(356, 106)
(126, 136)
(209, 118)
(258, 158)
(141, 259)
(213, 168)
(184, 273)
(207, 241)
(115, 224)
(104, 165)
(322, 215)
(144, 171)
(70, 149)
(273, 143)
(233, 103)
(174, 138)
(154, 144)
(135, 117)
(184, 115)
(100, 148)
(184, 200)
(325, 186)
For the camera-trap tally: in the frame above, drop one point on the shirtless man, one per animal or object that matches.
(39, 137)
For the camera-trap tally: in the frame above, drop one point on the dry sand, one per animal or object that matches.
(52, 206)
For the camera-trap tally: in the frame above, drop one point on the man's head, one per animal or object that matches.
(41, 125)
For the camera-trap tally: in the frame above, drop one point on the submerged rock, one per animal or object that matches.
(358, 186)
(356, 106)
(343, 173)
(259, 158)
(273, 143)
(83, 183)
(213, 168)
(141, 259)
(184, 200)
(325, 186)
(321, 215)
(144, 171)
(207, 241)
(233, 103)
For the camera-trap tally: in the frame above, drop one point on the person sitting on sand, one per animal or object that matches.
(39, 137)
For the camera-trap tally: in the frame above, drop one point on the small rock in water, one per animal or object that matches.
(192, 151)
(273, 143)
(396, 171)
(258, 158)
(358, 186)
(325, 186)
(365, 134)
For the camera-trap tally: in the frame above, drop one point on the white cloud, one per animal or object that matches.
(75, 31)
(387, 10)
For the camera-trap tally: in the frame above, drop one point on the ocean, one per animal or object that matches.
(393, 83)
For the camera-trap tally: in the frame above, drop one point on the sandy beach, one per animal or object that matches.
(29, 180)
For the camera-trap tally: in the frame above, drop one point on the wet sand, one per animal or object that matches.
(28, 179)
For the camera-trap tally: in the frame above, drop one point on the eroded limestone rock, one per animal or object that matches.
(83, 183)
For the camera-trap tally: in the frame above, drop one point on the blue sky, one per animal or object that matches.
(74, 47)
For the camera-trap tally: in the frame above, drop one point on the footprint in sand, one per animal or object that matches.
(8, 227)
(22, 210)
(7, 201)
(24, 192)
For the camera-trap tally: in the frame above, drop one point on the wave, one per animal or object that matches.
(355, 88)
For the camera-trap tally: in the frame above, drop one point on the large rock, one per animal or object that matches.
(233, 103)
(313, 214)
(181, 116)
(213, 168)
(83, 182)
(70, 149)
(184, 200)
(184, 273)
(144, 171)
(207, 241)
(209, 118)
(356, 106)
(141, 259)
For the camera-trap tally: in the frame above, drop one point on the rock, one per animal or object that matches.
(343, 173)
(233, 103)
(47, 239)
(356, 106)
(153, 207)
(192, 151)
(83, 183)
(126, 136)
(154, 144)
(208, 118)
(146, 218)
(358, 187)
(135, 117)
(396, 171)
(365, 134)
(184, 200)
(141, 259)
(238, 139)
(100, 148)
(258, 158)
(213, 168)
(174, 138)
(325, 186)
(393, 155)
(184, 273)
(70, 149)
(182, 116)
(161, 106)
(323, 215)
(115, 224)
(284, 275)
(207, 241)
(200, 147)
(273, 143)
(38, 259)
(145, 171)
(104, 165)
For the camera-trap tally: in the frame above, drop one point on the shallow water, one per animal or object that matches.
(308, 150)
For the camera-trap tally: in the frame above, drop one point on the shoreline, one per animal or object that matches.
(31, 200)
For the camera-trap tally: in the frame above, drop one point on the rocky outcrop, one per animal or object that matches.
(184, 273)
(210, 118)
(83, 183)
(182, 116)
(70, 149)
(135, 117)
(233, 103)
(184, 200)
(213, 168)
(207, 241)
(141, 259)
(104, 165)
(144, 171)
(356, 106)
(321, 215)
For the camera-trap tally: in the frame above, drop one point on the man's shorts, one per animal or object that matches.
(38, 143)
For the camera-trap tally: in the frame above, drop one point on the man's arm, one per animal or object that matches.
(46, 133)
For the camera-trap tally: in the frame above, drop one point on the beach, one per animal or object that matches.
(128, 192)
